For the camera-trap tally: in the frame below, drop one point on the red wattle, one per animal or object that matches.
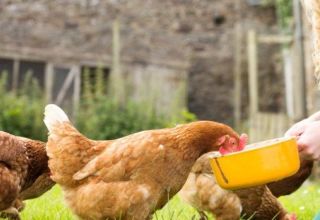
(223, 151)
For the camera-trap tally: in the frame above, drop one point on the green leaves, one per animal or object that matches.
(21, 112)
(284, 10)
(100, 116)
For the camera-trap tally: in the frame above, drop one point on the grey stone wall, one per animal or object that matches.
(193, 37)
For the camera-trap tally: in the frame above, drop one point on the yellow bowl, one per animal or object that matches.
(258, 164)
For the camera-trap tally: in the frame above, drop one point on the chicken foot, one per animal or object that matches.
(203, 215)
(10, 213)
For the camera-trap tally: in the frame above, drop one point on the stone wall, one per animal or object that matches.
(168, 37)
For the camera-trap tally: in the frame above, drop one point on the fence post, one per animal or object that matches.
(76, 93)
(237, 76)
(253, 71)
(289, 79)
(253, 81)
(298, 39)
(49, 81)
(117, 81)
(16, 64)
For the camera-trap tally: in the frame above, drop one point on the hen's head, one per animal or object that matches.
(208, 136)
(228, 144)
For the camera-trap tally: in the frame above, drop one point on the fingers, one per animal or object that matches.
(308, 151)
(298, 128)
(309, 142)
(307, 132)
(295, 130)
(307, 155)
(304, 154)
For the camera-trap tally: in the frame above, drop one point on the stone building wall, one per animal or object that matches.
(180, 40)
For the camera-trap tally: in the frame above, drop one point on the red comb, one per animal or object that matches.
(243, 140)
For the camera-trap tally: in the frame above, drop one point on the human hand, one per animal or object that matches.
(309, 141)
(297, 129)
(307, 133)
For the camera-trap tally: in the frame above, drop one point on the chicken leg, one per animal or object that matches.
(10, 213)
(203, 216)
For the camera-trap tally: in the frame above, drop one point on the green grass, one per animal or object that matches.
(305, 203)
(49, 206)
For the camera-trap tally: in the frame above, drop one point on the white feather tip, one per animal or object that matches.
(53, 115)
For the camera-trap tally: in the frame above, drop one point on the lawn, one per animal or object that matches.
(305, 203)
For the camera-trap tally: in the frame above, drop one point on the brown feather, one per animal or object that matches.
(292, 183)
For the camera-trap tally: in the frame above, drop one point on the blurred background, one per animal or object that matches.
(123, 66)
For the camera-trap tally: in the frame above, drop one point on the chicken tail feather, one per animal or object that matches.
(54, 115)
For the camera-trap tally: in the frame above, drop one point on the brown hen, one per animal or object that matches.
(24, 173)
(130, 177)
(202, 192)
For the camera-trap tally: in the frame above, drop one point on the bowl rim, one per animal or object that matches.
(253, 147)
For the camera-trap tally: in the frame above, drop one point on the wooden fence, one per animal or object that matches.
(266, 125)
(263, 125)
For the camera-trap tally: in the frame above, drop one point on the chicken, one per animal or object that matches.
(127, 178)
(24, 173)
(259, 203)
(202, 192)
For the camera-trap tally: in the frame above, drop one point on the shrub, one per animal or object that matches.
(102, 116)
(21, 112)
(99, 116)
